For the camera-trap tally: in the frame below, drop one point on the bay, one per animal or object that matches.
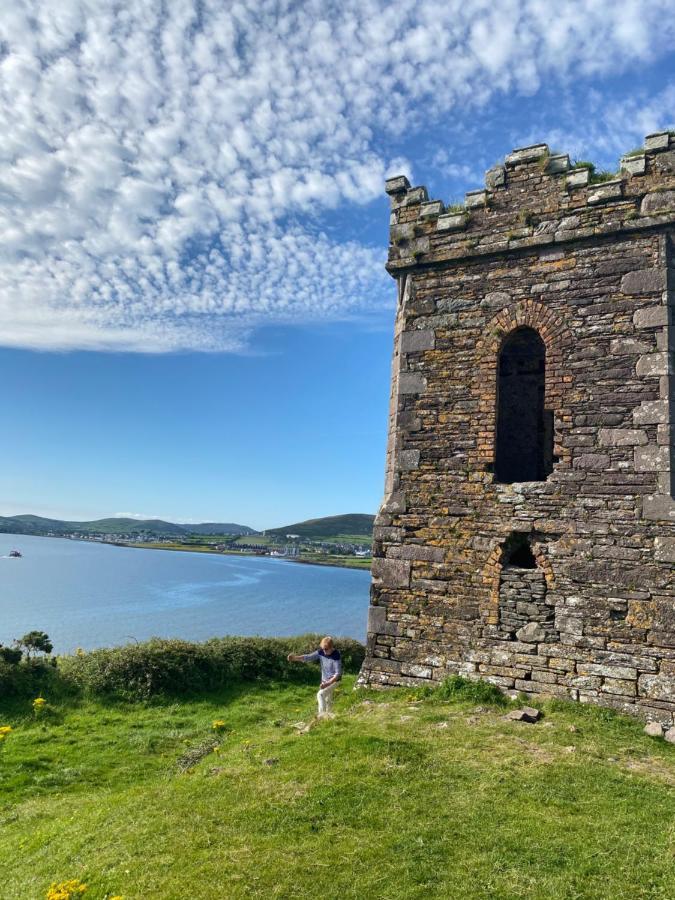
(97, 595)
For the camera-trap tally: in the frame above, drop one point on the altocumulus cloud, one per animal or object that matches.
(165, 167)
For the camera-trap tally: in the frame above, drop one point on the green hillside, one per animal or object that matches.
(27, 524)
(352, 525)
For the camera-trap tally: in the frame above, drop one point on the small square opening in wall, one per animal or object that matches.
(524, 614)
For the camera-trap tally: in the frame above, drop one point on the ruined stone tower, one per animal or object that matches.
(527, 534)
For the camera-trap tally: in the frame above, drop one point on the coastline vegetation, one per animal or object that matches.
(313, 558)
(237, 792)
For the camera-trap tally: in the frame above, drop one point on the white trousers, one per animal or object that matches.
(324, 698)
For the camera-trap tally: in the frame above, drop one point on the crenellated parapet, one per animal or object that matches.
(536, 197)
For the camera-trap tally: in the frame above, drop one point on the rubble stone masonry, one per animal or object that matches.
(535, 334)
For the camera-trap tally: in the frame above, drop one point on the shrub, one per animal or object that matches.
(10, 654)
(161, 666)
(28, 678)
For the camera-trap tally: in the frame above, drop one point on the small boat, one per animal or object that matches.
(15, 554)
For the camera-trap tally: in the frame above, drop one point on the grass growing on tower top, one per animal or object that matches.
(405, 794)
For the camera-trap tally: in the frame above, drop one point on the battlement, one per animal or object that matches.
(536, 197)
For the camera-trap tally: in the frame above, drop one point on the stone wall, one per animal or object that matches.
(591, 268)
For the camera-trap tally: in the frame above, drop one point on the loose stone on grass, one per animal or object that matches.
(654, 729)
(525, 714)
(670, 735)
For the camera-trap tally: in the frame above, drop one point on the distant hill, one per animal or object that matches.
(352, 525)
(27, 524)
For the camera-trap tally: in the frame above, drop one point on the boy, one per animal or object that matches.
(331, 672)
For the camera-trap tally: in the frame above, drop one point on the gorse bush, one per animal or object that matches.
(26, 678)
(171, 667)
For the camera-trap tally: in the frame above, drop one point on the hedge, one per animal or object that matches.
(175, 667)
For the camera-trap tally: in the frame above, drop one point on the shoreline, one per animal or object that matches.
(359, 564)
(340, 563)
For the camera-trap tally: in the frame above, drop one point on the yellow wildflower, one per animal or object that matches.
(38, 704)
(5, 729)
(218, 725)
(65, 890)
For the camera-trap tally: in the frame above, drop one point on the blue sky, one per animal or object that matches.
(195, 322)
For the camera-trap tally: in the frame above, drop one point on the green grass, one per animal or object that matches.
(401, 796)
(344, 562)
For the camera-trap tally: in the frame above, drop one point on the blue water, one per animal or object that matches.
(93, 595)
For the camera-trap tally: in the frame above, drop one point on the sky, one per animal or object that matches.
(195, 320)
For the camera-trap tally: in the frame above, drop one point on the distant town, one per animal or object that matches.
(334, 540)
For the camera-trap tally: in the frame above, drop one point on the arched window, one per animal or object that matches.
(524, 439)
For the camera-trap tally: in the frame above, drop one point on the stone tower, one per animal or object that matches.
(527, 534)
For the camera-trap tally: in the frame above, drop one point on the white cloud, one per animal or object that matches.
(161, 176)
(602, 130)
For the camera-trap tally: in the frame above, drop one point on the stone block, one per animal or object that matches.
(623, 687)
(531, 633)
(578, 178)
(392, 666)
(495, 177)
(393, 573)
(652, 459)
(634, 165)
(626, 673)
(526, 154)
(659, 508)
(657, 202)
(416, 195)
(379, 624)
(653, 365)
(452, 222)
(475, 199)
(664, 549)
(417, 341)
(430, 209)
(594, 462)
(397, 185)
(570, 223)
(415, 671)
(394, 503)
(608, 190)
(387, 533)
(670, 736)
(377, 618)
(657, 687)
(652, 317)
(411, 383)
(419, 553)
(622, 437)
(408, 460)
(630, 346)
(652, 412)
(644, 281)
(654, 729)
(658, 140)
(557, 163)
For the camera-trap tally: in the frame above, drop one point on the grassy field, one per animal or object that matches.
(397, 797)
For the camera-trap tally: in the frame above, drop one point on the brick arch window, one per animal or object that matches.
(524, 428)
(558, 389)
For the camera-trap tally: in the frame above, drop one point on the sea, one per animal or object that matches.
(86, 594)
